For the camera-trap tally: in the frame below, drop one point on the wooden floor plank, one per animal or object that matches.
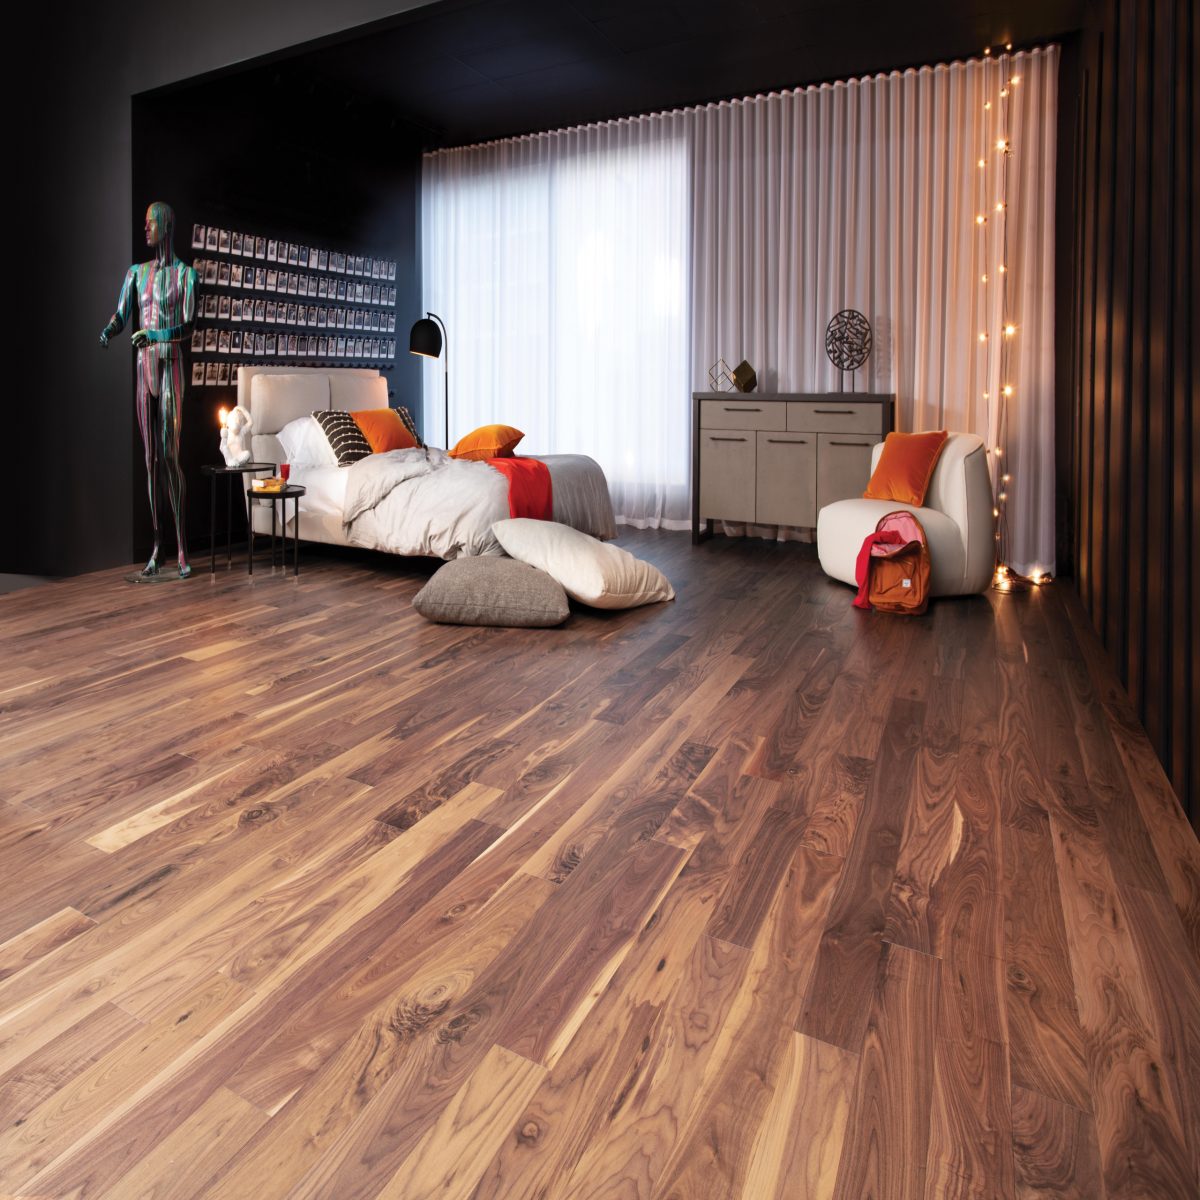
(751, 894)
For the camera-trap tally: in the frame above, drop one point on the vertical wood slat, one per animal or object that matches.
(1133, 496)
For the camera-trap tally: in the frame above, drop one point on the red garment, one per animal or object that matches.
(529, 490)
(862, 574)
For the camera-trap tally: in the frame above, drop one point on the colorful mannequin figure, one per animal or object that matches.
(164, 291)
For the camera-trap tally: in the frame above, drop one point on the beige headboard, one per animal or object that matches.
(321, 387)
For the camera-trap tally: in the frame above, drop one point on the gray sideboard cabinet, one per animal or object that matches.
(778, 459)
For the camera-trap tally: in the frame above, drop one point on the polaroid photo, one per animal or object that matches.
(302, 256)
(197, 374)
(260, 311)
(210, 374)
(301, 284)
(223, 274)
(260, 247)
(302, 345)
(322, 260)
(391, 348)
(209, 306)
(210, 272)
(223, 241)
(322, 346)
(272, 250)
(322, 318)
(392, 272)
(374, 293)
(272, 280)
(270, 345)
(391, 323)
(260, 344)
(224, 308)
(260, 279)
(198, 232)
(312, 345)
(224, 338)
(293, 254)
(235, 342)
(341, 289)
(358, 348)
(235, 275)
(197, 341)
(341, 348)
(235, 312)
(235, 244)
(312, 315)
(223, 374)
(198, 267)
(375, 321)
(368, 265)
(293, 283)
(210, 238)
(289, 316)
(322, 288)
(291, 343)
(247, 245)
(271, 317)
(341, 318)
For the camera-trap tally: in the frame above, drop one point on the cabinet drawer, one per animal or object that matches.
(786, 479)
(741, 414)
(727, 475)
(833, 417)
(844, 467)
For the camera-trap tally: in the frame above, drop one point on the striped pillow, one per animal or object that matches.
(345, 438)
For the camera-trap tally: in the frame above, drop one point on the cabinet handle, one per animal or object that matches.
(833, 443)
(725, 439)
(789, 441)
(834, 412)
(742, 410)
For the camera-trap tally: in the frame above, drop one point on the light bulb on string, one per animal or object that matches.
(1009, 330)
(1008, 389)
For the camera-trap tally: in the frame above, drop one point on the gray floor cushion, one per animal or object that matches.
(489, 590)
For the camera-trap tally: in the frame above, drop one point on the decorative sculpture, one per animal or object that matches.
(719, 379)
(235, 436)
(848, 340)
(744, 378)
(164, 290)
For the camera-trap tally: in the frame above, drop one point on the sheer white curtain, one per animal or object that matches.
(559, 263)
(590, 277)
(863, 195)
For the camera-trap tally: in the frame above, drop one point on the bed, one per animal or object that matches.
(411, 502)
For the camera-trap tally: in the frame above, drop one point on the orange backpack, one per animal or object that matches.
(894, 566)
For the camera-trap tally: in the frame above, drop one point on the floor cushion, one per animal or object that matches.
(592, 572)
(490, 590)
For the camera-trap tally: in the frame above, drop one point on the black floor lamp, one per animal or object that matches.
(427, 340)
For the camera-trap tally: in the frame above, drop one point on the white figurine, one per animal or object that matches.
(235, 437)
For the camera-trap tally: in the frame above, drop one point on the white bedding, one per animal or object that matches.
(414, 502)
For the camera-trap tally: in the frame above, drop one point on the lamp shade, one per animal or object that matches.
(425, 339)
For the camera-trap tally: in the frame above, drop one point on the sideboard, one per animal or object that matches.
(779, 458)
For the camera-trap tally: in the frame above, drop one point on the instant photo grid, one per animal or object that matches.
(267, 300)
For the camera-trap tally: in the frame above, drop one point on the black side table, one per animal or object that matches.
(292, 492)
(212, 470)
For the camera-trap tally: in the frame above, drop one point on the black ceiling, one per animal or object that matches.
(461, 71)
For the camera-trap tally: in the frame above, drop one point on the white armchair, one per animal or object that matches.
(956, 517)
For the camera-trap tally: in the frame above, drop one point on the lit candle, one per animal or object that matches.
(222, 417)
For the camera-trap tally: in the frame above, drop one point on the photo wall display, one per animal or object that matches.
(263, 300)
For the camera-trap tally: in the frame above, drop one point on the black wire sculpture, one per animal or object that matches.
(848, 340)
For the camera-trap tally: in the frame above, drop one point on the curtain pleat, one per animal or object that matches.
(590, 277)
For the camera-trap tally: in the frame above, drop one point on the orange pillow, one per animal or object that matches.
(383, 429)
(905, 467)
(488, 441)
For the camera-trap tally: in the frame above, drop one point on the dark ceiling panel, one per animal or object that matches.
(458, 72)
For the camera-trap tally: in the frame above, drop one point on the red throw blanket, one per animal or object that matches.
(529, 491)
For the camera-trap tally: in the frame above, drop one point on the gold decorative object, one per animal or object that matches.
(744, 378)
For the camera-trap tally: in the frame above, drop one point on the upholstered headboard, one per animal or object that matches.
(297, 391)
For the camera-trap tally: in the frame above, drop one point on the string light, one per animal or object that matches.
(1009, 330)
(983, 337)
(980, 219)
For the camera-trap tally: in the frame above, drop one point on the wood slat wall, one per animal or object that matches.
(1135, 426)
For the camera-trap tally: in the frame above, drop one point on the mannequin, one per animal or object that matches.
(164, 290)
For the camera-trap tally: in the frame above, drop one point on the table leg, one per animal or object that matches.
(274, 508)
(212, 524)
(229, 519)
(296, 531)
(250, 536)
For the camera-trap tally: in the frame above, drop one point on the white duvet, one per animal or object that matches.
(423, 502)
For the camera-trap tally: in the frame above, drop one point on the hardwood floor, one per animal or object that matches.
(749, 895)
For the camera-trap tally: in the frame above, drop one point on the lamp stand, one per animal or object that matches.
(445, 375)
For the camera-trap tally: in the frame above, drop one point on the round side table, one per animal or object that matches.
(212, 470)
(292, 492)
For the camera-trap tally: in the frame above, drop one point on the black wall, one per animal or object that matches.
(68, 404)
(1133, 419)
(273, 152)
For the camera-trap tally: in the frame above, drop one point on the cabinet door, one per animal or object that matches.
(844, 466)
(727, 475)
(787, 479)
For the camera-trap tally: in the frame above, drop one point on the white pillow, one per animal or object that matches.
(589, 571)
(305, 444)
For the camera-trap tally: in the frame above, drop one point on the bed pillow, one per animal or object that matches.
(345, 438)
(591, 572)
(305, 444)
(489, 590)
(488, 441)
(905, 467)
(384, 430)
